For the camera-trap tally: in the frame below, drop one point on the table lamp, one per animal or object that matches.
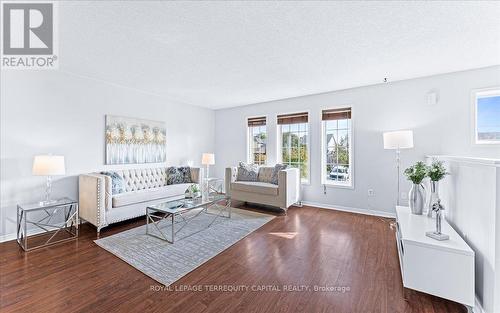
(48, 165)
(208, 159)
(397, 140)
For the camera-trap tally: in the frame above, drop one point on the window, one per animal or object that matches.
(336, 147)
(487, 116)
(257, 140)
(293, 139)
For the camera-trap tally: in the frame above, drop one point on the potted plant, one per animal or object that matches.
(436, 171)
(193, 191)
(416, 198)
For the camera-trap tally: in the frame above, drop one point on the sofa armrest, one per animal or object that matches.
(289, 186)
(195, 175)
(230, 176)
(94, 198)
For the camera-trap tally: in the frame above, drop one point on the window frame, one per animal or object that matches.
(279, 148)
(248, 158)
(475, 94)
(322, 127)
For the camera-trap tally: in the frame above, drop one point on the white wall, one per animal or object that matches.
(440, 129)
(54, 112)
(470, 195)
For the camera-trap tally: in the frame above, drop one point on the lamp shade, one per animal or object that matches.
(401, 139)
(208, 159)
(48, 165)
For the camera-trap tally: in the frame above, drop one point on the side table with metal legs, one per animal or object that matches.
(52, 219)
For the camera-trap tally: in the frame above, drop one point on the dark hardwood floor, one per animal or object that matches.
(308, 247)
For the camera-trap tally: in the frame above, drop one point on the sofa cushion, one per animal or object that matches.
(265, 174)
(276, 170)
(247, 172)
(145, 195)
(117, 182)
(255, 187)
(143, 178)
(186, 174)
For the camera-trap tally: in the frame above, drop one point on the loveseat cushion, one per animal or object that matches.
(255, 187)
(276, 170)
(145, 195)
(247, 172)
(265, 174)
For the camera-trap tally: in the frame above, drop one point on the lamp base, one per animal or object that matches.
(437, 236)
(47, 202)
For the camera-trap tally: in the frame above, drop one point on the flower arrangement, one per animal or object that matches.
(417, 172)
(436, 171)
(193, 191)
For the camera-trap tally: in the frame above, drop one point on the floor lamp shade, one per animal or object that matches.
(48, 165)
(208, 159)
(401, 139)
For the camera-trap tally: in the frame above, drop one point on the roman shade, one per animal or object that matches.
(336, 114)
(294, 118)
(256, 121)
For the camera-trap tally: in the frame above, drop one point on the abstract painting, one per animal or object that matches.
(133, 141)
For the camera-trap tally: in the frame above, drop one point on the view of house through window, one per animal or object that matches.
(293, 134)
(257, 140)
(337, 152)
(487, 120)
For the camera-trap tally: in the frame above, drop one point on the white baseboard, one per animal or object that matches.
(13, 236)
(351, 210)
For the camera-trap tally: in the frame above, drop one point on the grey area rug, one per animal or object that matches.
(194, 244)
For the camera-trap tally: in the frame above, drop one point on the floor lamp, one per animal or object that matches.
(397, 140)
(207, 159)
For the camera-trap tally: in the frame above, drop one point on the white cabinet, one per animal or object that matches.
(441, 268)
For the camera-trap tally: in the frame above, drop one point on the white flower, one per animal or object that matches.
(148, 134)
(128, 134)
(137, 132)
(115, 132)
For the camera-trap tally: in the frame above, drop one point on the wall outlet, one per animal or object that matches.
(404, 196)
(371, 192)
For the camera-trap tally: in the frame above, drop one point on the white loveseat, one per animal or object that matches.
(262, 191)
(143, 187)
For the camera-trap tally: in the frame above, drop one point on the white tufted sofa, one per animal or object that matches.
(143, 187)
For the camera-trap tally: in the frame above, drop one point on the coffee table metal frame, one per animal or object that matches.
(155, 214)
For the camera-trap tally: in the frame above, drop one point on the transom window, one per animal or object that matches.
(257, 140)
(337, 147)
(293, 138)
(487, 116)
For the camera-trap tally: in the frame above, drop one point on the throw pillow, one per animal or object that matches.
(247, 172)
(117, 184)
(174, 176)
(276, 170)
(186, 174)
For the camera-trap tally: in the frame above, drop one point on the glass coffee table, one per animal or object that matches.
(156, 215)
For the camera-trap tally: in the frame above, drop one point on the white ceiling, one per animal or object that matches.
(225, 54)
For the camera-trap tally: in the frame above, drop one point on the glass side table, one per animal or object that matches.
(58, 221)
(215, 186)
